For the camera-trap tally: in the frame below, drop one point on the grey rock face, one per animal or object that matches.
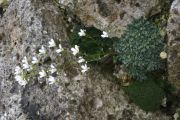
(112, 16)
(174, 44)
(26, 26)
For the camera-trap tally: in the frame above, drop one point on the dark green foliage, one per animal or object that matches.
(147, 95)
(178, 112)
(161, 79)
(139, 48)
(179, 115)
(92, 46)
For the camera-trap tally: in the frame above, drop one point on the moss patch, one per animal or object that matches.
(147, 95)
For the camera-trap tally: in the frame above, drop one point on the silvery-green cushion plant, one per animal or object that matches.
(139, 48)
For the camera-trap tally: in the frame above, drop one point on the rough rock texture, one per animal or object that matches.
(25, 26)
(174, 44)
(112, 15)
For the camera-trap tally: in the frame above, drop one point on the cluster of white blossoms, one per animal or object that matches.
(49, 73)
(75, 50)
(19, 72)
(26, 67)
(19, 76)
(81, 60)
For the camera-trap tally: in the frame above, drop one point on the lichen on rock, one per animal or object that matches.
(174, 44)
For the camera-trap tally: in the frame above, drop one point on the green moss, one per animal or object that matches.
(139, 48)
(147, 95)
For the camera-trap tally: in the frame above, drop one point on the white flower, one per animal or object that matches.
(25, 64)
(163, 55)
(53, 69)
(164, 102)
(51, 80)
(84, 68)
(52, 43)
(81, 60)
(61, 1)
(176, 116)
(75, 50)
(82, 32)
(60, 49)
(42, 74)
(18, 70)
(34, 60)
(20, 80)
(24, 60)
(104, 35)
(42, 50)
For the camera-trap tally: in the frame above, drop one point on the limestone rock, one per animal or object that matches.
(174, 44)
(25, 26)
(112, 16)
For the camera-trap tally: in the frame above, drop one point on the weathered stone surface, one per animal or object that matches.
(112, 15)
(174, 44)
(25, 26)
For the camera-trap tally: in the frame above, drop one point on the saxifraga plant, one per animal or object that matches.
(139, 48)
(92, 46)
